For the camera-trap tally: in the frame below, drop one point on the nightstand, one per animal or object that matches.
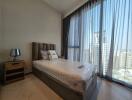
(13, 71)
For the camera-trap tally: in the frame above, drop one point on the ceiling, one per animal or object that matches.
(63, 6)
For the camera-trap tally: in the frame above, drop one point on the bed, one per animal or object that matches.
(70, 80)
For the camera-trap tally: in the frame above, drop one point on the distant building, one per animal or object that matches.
(126, 59)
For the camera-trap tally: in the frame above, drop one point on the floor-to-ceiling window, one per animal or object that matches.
(83, 39)
(74, 38)
(117, 39)
(100, 33)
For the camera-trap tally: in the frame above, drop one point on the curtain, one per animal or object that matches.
(74, 38)
(83, 39)
(100, 33)
(117, 39)
(66, 24)
(89, 48)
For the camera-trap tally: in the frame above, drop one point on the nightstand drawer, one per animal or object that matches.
(14, 77)
(11, 66)
(15, 71)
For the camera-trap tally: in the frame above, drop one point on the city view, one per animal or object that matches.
(122, 60)
(116, 40)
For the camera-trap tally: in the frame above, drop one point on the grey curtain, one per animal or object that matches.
(66, 25)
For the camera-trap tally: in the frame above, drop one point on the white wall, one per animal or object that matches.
(74, 7)
(27, 21)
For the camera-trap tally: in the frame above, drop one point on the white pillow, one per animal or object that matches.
(44, 54)
(52, 55)
(52, 52)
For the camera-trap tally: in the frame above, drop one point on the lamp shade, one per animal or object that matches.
(15, 52)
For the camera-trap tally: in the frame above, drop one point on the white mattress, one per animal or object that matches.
(68, 72)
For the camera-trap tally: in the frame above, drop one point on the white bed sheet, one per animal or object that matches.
(68, 72)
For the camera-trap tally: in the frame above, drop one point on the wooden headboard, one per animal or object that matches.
(37, 47)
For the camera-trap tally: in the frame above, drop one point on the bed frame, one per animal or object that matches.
(60, 88)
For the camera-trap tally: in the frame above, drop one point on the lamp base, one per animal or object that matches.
(15, 59)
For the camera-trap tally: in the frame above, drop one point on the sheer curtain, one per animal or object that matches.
(89, 48)
(117, 39)
(74, 38)
(83, 38)
(101, 34)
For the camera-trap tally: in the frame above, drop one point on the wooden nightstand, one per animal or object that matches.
(13, 71)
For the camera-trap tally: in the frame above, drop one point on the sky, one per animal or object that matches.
(123, 22)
